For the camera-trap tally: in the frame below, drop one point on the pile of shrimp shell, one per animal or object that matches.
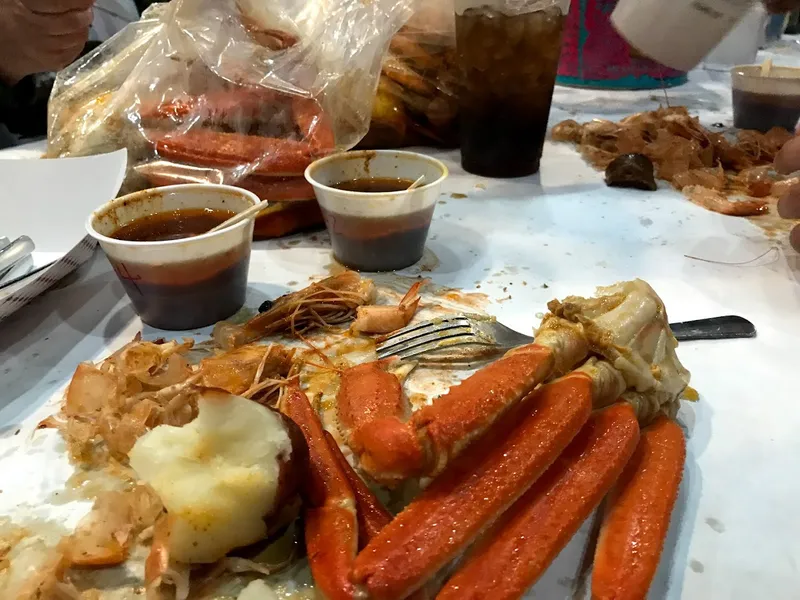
(726, 172)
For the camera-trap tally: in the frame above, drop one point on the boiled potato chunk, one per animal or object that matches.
(218, 476)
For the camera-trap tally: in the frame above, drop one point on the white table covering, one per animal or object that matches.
(736, 529)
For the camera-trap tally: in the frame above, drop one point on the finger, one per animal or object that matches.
(794, 238)
(789, 204)
(56, 7)
(71, 23)
(788, 159)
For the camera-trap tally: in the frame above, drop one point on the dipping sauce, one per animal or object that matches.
(374, 185)
(172, 225)
(185, 295)
(379, 244)
(189, 294)
(762, 112)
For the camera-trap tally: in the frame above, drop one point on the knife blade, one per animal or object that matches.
(715, 328)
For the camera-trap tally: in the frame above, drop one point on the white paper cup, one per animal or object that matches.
(377, 231)
(679, 33)
(762, 102)
(185, 283)
(740, 45)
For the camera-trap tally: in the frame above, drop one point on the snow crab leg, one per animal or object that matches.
(423, 444)
(239, 109)
(208, 148)
(372, 515)
(637, 520)
(343, 513)
(371, 409)
(391, 449)
(331, 528)
(627, 326)
(475, 488)
(516, 552)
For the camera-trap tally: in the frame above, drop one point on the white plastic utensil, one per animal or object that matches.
(250, 213)
(417, 183)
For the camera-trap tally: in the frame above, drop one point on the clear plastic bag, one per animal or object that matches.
(417, 98)
(244, 92)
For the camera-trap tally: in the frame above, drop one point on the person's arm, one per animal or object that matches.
(788, 161)
(38, 36)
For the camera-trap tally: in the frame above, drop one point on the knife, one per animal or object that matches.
(715, 328)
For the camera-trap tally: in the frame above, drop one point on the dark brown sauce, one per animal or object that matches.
(187, 295)
(382, 244)
(172, 225)
(374, 185)
(764, 111)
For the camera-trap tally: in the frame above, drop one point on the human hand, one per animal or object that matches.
(788, 161)
(41, 35)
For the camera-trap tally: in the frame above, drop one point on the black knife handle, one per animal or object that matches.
(717, 328)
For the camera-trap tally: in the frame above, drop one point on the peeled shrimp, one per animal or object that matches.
(387, 318)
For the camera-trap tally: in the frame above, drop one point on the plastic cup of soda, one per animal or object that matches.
(508, 51)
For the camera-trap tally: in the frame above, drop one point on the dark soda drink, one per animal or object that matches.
(509, 63)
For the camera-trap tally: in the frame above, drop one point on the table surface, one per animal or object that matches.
(735, 531)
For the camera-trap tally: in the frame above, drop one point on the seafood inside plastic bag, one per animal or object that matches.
(416, 102)
(246, 93)
(726, 173)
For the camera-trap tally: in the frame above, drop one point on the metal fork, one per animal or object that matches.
(479, 336)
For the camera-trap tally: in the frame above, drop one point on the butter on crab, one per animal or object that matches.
(217, 476)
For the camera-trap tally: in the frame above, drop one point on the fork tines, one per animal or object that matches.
(425, 337)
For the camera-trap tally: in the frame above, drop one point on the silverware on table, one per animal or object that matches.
(15, 261)
(488, 336)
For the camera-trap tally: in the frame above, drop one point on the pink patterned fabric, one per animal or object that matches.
(593, 51)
